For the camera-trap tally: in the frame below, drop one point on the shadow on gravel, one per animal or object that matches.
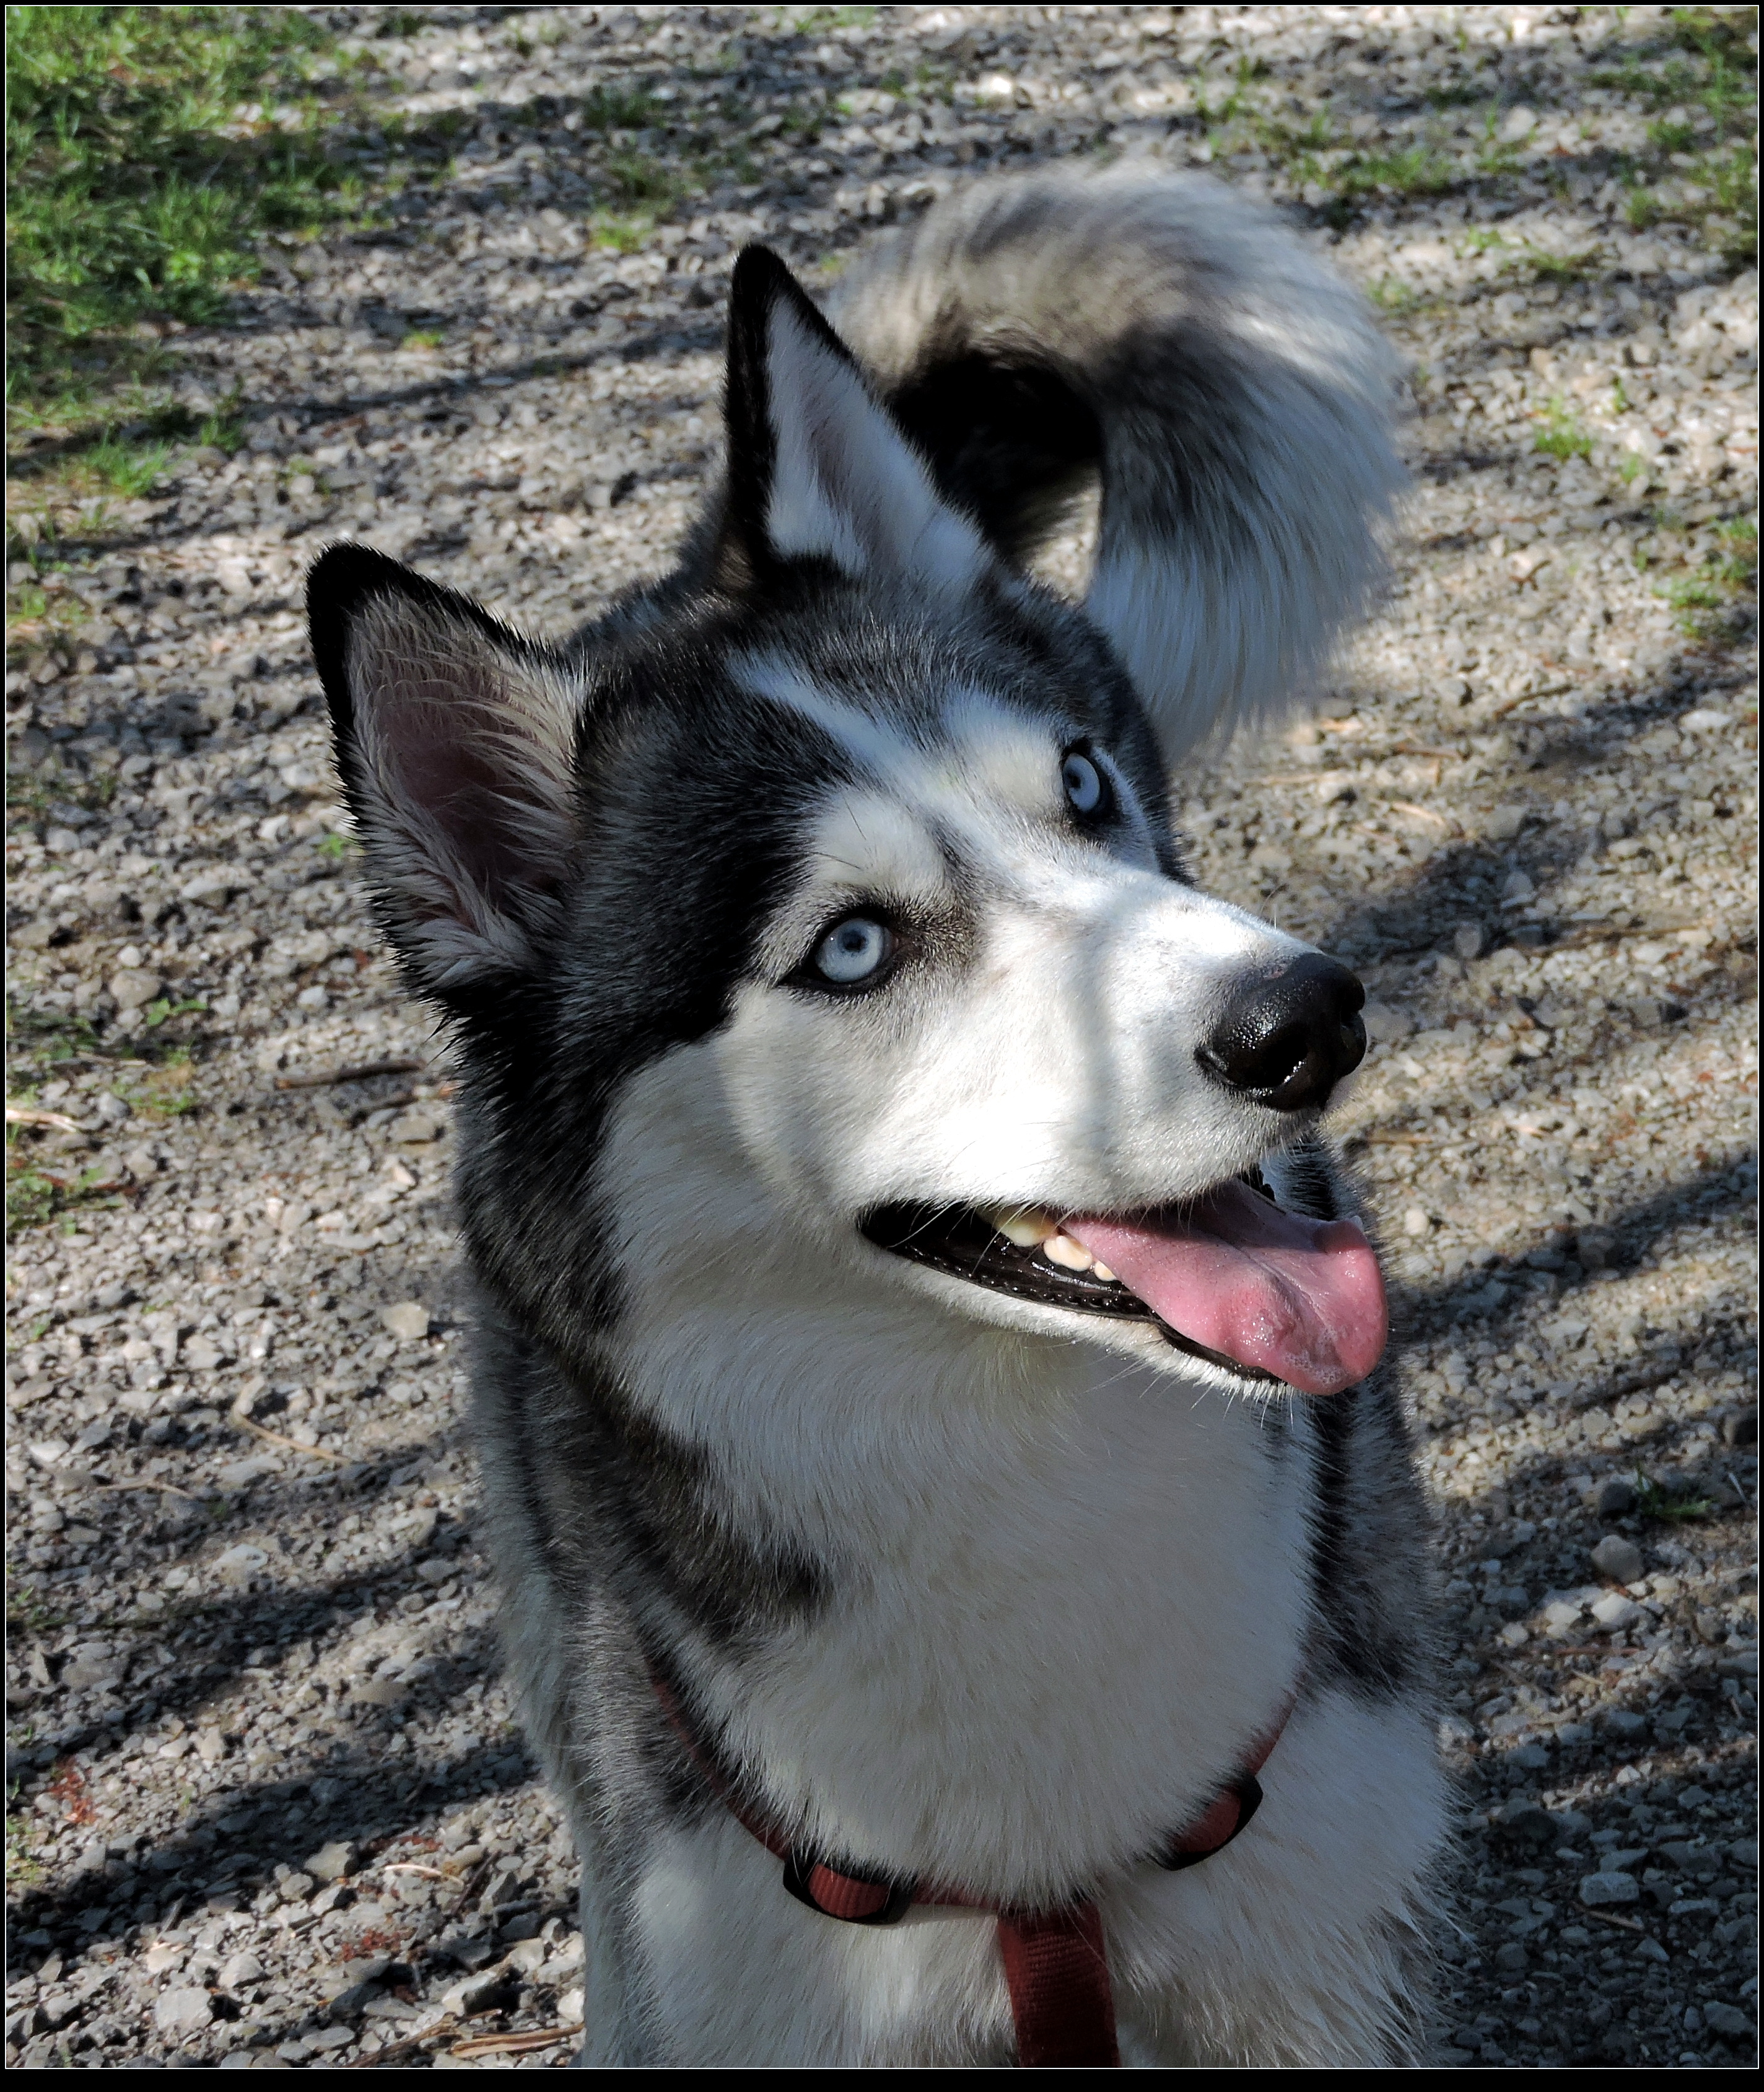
(1637, 1227)
(640, 346)
(252, 1620)
(358, 1798)
(1457, 883)
(1561, 1560)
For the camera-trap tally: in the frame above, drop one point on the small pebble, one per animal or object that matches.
(1618, 1558)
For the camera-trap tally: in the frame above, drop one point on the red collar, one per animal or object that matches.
(1055, 1965)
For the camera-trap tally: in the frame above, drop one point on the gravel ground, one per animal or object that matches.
(269, 1805)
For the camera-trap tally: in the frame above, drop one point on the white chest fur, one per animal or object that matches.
(1051, 1634)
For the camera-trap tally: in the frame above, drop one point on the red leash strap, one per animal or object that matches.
(1056, 1963)
(1059, 1995)
(1231, 1808)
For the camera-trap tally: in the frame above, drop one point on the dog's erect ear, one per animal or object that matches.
(817, 468)
(453, 738)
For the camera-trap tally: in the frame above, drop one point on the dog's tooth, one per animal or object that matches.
(1101, 1271)
(1062, 1249)
(1025, 1230)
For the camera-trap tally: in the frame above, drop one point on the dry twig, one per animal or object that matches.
(1599, 933)
(235, 1415)
(29, 1115)
(1427, 816)
(168, 1489)
(395, 2052)
(363, 1071)
(514, 2044)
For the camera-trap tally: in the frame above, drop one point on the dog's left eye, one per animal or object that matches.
(857, 950)
(1086, 790)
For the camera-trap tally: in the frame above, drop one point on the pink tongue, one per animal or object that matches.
(1302, 1299)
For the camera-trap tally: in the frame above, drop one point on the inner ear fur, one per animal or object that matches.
(818, 469)
(454, 739)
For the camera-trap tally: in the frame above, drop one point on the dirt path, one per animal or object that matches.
(268, 1807)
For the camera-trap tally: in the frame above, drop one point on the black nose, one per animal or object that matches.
(1290, 1033)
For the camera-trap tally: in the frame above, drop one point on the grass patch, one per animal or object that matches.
(37, 1197)
(1719, 195)
(224, 430)
(30, 1197)
(638, 179)
(164, 1089)
(1738, 542)
(1497, 155)
(523, 42)
(1710, 600)
(1416, 170)
(1711, 30)
(641, 189)
(817, 21)
(149, 151)
(1666, 1506)
(1699, 169)
(27, 1610)
(126, 468)
(157, 1012)
(622, 235)
(1668, 136)
(1391, 295)
(1549, 268)
(1311, 151)
(1690, 596)
(24, 1870)
(803, 122)
(43, 1039)
(44, 1189)
(620, 108)
(421, 338)
(1561, 436)
(1459, 94)
(42, 616)
(50, 1035)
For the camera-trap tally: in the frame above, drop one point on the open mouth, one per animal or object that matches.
(1274, 1298)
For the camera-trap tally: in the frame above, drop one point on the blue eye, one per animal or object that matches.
(854, 950)
(1087, 790)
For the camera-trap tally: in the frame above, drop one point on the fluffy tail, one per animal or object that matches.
(1232, 392)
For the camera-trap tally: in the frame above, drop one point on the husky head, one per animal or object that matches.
(816, 933)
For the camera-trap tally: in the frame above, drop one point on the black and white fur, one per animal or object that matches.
(965, 1587)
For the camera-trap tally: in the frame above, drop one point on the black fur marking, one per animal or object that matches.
(625, 1506)
(1314, 1193)
(718, 797)
(1313, 1181)
(1364, 1483)
(1156, 383)
(1012, 443)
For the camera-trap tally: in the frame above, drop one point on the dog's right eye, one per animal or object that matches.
(858, 950)
(1086, 790)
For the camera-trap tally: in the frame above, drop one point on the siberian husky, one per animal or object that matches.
(927, 1371)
